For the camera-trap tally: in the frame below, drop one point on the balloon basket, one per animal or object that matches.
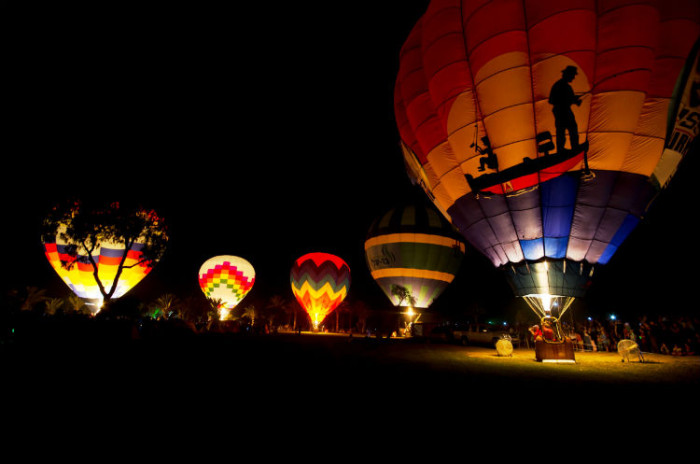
(556, 352)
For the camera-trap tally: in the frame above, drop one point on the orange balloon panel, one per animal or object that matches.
(526, 87)
(543, 128)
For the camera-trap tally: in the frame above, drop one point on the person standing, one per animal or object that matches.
(561, 97)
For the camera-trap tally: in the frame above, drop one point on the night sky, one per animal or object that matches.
(262, 131)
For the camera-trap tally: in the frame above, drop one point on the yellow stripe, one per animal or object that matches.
(415, 238)
(326, 289)
(407, 272)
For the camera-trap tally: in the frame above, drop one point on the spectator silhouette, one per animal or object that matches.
(561, 97)
(489, 160)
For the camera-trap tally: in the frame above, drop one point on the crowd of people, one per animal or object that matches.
(673, 336)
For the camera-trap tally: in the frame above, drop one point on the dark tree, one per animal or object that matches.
(403, 294)
(84, 227)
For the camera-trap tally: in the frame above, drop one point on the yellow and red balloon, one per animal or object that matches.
(320, 282)
(80, 277)
(109, 261)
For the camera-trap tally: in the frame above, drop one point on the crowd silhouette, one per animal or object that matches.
(22, 322)
(677, 336)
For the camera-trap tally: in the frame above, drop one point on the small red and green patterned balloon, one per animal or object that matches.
(227, 279)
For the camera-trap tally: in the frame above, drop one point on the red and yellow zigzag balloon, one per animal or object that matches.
(320, 282)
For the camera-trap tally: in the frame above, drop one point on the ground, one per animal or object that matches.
(308, 356)
(339, 389)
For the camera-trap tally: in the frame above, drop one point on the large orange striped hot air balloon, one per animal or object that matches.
(543, 129)
(320, 282)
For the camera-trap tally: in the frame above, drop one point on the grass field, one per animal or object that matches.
(310, 388)
(321, 368)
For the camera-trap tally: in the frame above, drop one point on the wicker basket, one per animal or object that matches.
(547, 351)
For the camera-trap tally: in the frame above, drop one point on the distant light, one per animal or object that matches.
(409, 311)
(613, 317)
(589, 318)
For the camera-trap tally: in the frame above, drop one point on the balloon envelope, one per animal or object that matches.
(414, 249)
(107, 255)
(320, 282)
(226, 278)
(542, 131)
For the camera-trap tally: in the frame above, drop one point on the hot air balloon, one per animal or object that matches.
(540, 128)
(102, 253)
(413, 253)
(228, 279)
(320, 282)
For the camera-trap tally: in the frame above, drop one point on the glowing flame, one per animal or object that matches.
(95, 305)
(546, 302)
(224, 313)
(543, 304)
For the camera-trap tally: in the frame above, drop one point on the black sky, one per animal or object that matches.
(264, 131)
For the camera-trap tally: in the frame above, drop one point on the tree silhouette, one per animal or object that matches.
(195, 309)
(403, 294)
(250, 313)
(295, 309)
(276, 307)
(343, 307)
(288, 307)
(362, 312)
(85, 226)
(53, 305)
(165, 306)
(34, 296)
(76, 304)
(214, 312)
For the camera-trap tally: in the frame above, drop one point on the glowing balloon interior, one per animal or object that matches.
(80, 277)
(414, 250)
(320, 282)
(544, 131)
(228, 279)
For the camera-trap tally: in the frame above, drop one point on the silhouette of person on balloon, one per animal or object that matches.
(561, 97)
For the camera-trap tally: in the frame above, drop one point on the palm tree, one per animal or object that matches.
(249, 312)
(75, 303)
(215, 305)
(290, 310)
(195, 309)
(53, 305)
(166, 305)
(34, 296)
(294, 308)
(275, 306)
